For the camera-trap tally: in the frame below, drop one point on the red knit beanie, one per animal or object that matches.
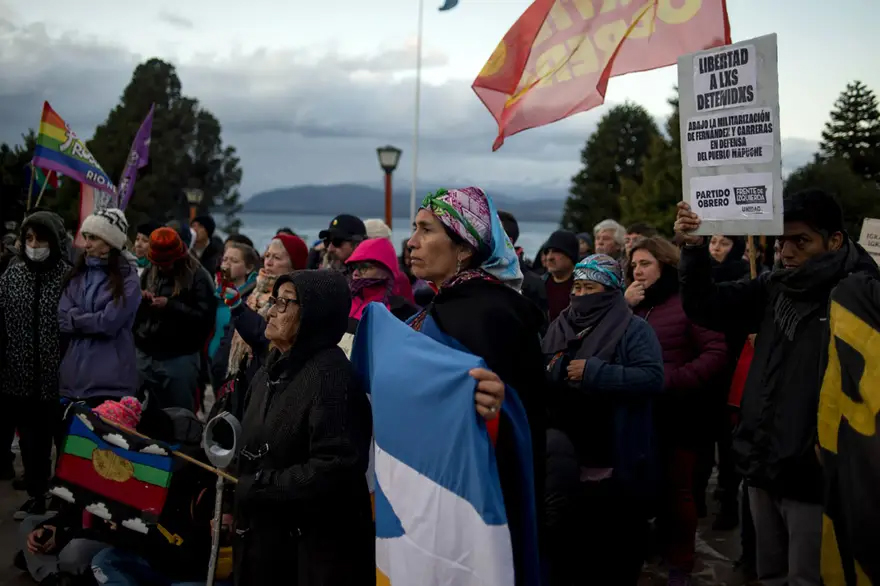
(165, 247)
(296, 250)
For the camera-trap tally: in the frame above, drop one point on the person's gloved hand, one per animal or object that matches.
(227, 291)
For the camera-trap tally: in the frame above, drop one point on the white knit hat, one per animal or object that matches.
(109, 225)
(377, 229)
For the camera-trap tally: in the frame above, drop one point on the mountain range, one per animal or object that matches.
(369, 202)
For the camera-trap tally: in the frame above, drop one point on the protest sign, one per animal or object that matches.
(731, 152)
(870, 238)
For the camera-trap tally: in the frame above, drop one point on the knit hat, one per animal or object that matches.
(586, 237)
(147, 228)
(600, 268)
(296, 250)
(207, 222)
(565, 242)
(166, 247)
(109, 225)
(125, 412)
(377, 229)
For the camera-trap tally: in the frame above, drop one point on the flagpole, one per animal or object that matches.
(415, 147)
(43, 189)
(30, 187)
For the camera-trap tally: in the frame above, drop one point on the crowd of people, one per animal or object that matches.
(621, 344)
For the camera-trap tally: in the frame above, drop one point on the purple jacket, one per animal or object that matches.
(100, 359)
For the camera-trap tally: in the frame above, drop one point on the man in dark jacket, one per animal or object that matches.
(207, 247)
(776, 440)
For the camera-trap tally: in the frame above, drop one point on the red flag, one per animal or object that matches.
(557, 58)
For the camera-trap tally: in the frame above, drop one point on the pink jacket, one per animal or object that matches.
(380, 251)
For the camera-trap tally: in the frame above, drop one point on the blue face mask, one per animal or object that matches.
(36, 254)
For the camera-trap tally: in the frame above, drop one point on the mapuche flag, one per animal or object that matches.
(114, 475)
(848, 421)
(557, 58)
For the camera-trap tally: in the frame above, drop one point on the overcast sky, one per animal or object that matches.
(307, 90)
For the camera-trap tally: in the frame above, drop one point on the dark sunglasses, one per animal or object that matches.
(282, 303)
(336, 242)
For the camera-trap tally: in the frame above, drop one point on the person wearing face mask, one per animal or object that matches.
(31, 349)
(96, 313)
(694, 358)
(606, 370)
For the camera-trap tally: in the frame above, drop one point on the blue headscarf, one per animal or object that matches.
(600, 268)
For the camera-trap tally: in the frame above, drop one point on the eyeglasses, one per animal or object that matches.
(362, 267)
(282, 303)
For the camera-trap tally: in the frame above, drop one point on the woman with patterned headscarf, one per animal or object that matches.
(460, 246)
(605, 367)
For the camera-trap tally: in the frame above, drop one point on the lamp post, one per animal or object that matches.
(389, 156)
(194, 198)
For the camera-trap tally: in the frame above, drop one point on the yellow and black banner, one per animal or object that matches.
(850, 445)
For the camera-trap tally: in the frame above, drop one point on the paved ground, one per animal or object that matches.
(715, 550)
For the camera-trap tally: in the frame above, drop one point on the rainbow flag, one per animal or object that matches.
(117, 476)
(58, 149)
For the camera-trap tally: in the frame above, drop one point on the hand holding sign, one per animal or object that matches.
(686, 222)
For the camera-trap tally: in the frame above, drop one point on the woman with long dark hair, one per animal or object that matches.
(96, 312)
(175, 320)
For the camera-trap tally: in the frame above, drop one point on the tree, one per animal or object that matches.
(13, 183)
(858, 197)
(614, 152)
(853, 133)
(654, 199)
(186, 151)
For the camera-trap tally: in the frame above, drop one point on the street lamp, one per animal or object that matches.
(194, 197)
(389, 156)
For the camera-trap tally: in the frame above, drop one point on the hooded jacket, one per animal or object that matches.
(381, 252)
(100, 359)
(302, 506)
(775, 441)
(29, 335)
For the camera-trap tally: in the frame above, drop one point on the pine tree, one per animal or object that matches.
(13, 182)
(853, 133)
(615, 152)
(653, 200)
(186, 151)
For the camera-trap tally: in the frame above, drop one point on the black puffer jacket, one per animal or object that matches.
(30, 347)
(775, 441)
(302, 506)
(184, 325)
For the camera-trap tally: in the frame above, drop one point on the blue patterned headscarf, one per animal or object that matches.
(471, 213)
(600, 268)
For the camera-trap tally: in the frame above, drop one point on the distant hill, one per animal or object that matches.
(368, 202)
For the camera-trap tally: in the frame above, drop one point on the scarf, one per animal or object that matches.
(454, 281)
(807, 288)
(257, 301)
(597, 321)
(662, 289)
(366, 291)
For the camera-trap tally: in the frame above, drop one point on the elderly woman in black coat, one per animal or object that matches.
(302, 507)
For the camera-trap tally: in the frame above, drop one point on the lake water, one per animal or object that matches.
(261, 227)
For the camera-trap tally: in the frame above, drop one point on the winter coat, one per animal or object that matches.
(100, 359)
(184, 325)
(212, 255)
(693, 359)
(776, 438)
(302, 506)
(29, 336)
(631, 382)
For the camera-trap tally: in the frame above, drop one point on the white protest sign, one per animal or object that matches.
(731, 147)
(870, 238)
(724, 139)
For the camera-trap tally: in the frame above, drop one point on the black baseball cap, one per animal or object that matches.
(345, 227)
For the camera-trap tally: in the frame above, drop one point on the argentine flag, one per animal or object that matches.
(440, 514)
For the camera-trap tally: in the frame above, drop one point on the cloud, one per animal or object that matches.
(136, 525)
(100, 510)
(117, 440)
(63, 493)
(300, 116)
(154, 449)
(176, 20)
